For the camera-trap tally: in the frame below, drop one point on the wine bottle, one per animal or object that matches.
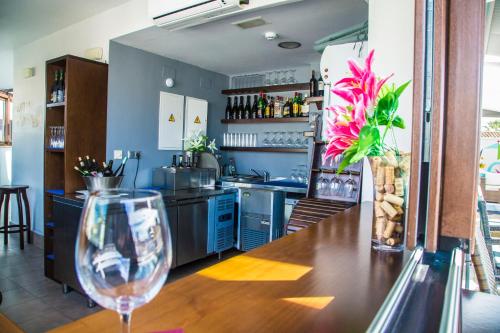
(295, 106)
(174, 158)
(60, 87)
(313, 85)
(286, 109)
(228, 109)
(321, 86)
(53, 90)
(278, 107)
(271, 107)
(255, 107)
(267, 108)
(121, 168)
(234, 111)
(248, 109)
(305, 108)
(261, 106)
(301, 103)
(241, 108)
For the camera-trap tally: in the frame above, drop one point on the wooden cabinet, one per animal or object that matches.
(82, 115)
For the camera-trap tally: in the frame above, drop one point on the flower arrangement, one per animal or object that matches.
(360, 126)
(197, 143)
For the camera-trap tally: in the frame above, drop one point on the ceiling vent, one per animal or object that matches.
(250, 23)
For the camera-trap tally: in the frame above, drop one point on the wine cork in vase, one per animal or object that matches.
(387, 207)
(398, 228)
(392, 241)
(399, 209)
(379, 212)
(380, 178)
(389, 188)
(375, 163)
(379, 227)
(379, 196)
(389, 229)
(399, 188)
(391, 158)
(394, 199)
(389, 175)
(379, 188)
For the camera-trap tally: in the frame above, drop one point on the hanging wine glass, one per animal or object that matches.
(123, 249)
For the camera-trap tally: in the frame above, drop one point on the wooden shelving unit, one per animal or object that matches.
(265, 149)
(83, 116)
(266, 120)
(315, 99)
(267, 89)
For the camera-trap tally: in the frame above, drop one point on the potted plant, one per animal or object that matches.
(363, 127)
(196, 144)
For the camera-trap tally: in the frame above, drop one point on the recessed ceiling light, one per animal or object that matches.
(250, 23)
(289, 45)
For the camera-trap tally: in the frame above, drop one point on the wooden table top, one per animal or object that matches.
(322, 279)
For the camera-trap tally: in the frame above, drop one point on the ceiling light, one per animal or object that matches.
(289, 45)
(271, 35)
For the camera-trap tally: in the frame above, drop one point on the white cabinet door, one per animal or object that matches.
(171, 121)
(196, 116)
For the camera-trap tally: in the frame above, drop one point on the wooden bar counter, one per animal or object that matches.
(322, 279)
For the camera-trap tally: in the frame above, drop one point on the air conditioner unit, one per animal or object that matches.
(178, 14)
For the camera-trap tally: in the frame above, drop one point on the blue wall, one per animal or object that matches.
(135, 79)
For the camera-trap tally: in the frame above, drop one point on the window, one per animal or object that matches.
(5, 118)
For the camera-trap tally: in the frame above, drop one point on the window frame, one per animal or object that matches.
(7, 97)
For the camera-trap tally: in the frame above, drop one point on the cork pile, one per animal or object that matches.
(389, 204)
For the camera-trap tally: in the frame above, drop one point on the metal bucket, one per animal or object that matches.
(102, 183)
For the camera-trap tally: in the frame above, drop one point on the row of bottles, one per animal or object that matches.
(316, 87)
(267, 107)
(58, 87)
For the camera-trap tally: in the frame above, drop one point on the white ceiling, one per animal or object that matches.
(222, 47)
(23, 21)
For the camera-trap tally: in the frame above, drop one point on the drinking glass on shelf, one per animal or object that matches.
(123, 249)
(291, 78)
(289, 142)
(267, 81)
(325, 186)
(293, 175)
(283, 77)
(276, 78)
(266, 141)
(280, 140)
(273, 141)
(254, 140)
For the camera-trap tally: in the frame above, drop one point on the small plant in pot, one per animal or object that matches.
(363, 127)
(100, 177)
(196, 144)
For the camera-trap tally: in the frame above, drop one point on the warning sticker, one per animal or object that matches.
(197, 120)
(171, 118)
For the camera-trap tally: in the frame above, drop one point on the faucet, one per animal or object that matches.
(265, 174)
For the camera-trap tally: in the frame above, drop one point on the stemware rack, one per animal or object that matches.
(328, 192)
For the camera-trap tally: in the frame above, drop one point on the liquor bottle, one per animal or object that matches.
(286, 109)
(255, 107)
(278, 112)
(53, 90)
(174, 157)
(313, 85)
(267, 108)
(121, 168)
(305, 108)
(271, 106)
(241, 108)
(261, 106)
(295, 106)
(321, 86)
(228, 109)
(234, 111)
(301, 103)
(60, 87)
(248, 109)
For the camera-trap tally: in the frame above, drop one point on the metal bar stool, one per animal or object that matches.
(20, 192)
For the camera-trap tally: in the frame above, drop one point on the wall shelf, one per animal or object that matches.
(265, 149)
(55, 105)
(266, 120)
(55, 150)
(315, 99)
(267, 89)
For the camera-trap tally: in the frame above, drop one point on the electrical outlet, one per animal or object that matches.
(134, 154)
(117, 154)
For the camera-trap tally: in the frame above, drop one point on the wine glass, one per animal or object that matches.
(283, 76)
(123, 250)
(291, 79)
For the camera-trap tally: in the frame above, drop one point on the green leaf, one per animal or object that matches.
(398, 122)
(401, 88)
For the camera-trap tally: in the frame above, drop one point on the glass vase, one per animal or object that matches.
(390, 182)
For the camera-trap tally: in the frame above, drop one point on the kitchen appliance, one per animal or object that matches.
(183, 178)
(261, 217)
(192, 229)
(221, 223)
(210, 161)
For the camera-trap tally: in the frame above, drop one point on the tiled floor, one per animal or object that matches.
(36, 303)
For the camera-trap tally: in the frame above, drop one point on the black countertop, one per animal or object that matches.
(170, 196)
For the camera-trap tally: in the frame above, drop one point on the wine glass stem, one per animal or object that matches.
(125, 322)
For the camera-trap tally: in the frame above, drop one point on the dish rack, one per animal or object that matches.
(328, 192)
